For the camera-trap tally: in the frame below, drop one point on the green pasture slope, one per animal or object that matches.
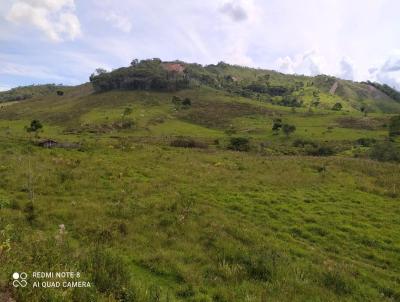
(158, 205)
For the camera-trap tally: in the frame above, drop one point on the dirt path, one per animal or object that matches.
(333, 88)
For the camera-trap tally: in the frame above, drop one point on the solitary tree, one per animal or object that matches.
(34, 127)
(277, 125)
(337, 107)
(288, 129)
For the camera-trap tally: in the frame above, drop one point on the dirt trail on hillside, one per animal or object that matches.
(333, 88)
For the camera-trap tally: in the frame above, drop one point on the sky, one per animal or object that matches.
(64, 41)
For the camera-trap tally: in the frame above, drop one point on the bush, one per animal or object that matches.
(239, 144)
(337, 107)
(288, 129)
(277, 125)
(320, 151)
(302, 143)
(184, 103)
(183, 142)
(385, 151)
(366, 142)
(34, 126)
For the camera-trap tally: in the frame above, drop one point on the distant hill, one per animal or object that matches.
(27, 92)
(319, 92)
(265, 85)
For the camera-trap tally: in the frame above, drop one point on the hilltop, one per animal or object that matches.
(269, 86)
(168, 181)
(264, 85)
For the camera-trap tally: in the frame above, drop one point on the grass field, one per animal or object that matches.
(146, 221)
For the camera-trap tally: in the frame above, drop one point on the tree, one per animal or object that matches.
(134, 62)
(239, 144)
(337, 107)
(35, 126)
(394, 126)
(277, 125)
(187, 102)
(385, 151)
(364, 109)
(288, 129)
(100, 71)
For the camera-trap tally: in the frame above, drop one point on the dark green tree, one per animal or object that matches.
(337, 107)
(288, 129)
(277, 125)
(35, 126)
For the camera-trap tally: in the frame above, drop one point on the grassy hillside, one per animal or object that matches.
(27, 92)
(264, 85)
(190, 195)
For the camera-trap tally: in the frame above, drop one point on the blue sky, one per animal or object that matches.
(63, 41)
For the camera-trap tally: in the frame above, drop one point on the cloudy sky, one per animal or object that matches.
(63, 41)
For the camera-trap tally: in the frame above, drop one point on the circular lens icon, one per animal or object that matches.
(15, 276)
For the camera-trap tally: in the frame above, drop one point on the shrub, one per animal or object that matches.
(181, 103)
(277, 125)
(385, 151)
(183, 142)
(302, 143)
(187, 102)
(34, 126)
(337, 107)
(239, 144)
(288, 129)
(320, 151)
(366, 142)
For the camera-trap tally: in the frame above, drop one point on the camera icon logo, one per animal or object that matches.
(19, 279)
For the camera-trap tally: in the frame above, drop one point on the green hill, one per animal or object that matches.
(177, 182)
(264, 85)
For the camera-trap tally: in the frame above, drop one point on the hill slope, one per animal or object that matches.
(265, 85)
(200, 192)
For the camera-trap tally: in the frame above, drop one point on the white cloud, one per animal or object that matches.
(55, 18)
(308, 63)
(389, 71)
(234, 10)
(237, 31)
(346, 69)
(120, 22)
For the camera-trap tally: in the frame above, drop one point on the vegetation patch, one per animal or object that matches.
(186, 142)
(219, 114)
(367, 123)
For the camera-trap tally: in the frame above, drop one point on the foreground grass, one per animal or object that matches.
(148, 222)
(206, 225)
